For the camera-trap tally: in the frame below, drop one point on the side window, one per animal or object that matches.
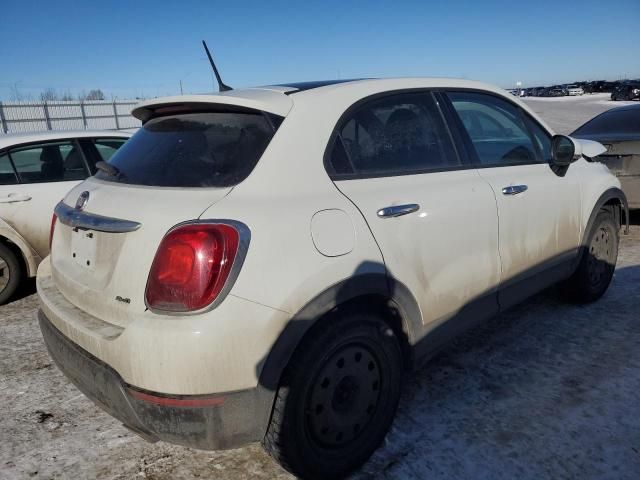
(541, 138)
(395, 135)
(496, 129)
(106, 147)
(7, 175)
(49, 162)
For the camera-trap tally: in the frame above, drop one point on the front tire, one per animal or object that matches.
(598, 262)
(10, 273)
(337, 398)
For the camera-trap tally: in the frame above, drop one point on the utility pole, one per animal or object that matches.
(180, 87)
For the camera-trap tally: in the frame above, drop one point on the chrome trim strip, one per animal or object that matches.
(243, 246)
(90, 221)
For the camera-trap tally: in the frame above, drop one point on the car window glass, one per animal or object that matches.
(541, 138)
(612, 122)
(496, 129)
(108, 146)
(50, 162)
(7, 175)
(393, 136)
(194, 149)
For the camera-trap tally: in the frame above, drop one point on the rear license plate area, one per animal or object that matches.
(83, 247)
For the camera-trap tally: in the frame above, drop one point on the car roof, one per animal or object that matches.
(12, 139)
(277, 99)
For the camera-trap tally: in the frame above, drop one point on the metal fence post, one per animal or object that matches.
(115, 115)
(3, 120)
(46, 115)
(84, 115)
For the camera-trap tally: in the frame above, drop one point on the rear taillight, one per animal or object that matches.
(54, 219)
(192, 265)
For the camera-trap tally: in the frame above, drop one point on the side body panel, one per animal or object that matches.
(32, 215)
(446, 252)
(539, 228)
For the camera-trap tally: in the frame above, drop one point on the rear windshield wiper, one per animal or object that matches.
(108, 169)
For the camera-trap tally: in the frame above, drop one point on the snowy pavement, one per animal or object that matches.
(565, 114)
(546, 390)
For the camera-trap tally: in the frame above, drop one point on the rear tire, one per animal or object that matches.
(337, 397)
(595, 270)
(10, 273)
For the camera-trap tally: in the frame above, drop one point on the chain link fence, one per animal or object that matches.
(16, 117)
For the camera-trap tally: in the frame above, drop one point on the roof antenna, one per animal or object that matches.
(221, 86)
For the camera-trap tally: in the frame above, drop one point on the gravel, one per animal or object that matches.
(545, 390)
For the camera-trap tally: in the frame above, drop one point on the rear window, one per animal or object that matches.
(201, 149)
(623, 121)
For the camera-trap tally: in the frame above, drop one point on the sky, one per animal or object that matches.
(146, 48)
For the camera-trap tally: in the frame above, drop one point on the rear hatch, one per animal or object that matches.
(183, 160)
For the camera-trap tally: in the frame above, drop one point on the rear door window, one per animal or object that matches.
(49, 162)
(396, 135)
(199, 149)
(496, 129)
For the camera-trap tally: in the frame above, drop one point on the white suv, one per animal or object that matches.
(36, 170)
(264, 264)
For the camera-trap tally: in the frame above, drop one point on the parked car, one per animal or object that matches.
(626, 91)
(600, 86)
(618, 130)
(574, 90)
(36, 171)
(264, 264)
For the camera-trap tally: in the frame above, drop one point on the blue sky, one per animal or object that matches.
(144, 48)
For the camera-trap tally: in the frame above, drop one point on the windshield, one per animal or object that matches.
(203, 149)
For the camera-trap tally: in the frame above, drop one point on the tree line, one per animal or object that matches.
(49, 95)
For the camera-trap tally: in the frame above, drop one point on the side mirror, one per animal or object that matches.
(564, 151)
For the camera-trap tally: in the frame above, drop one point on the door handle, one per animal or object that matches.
(398, 210)
(15, 197)
(514, 189)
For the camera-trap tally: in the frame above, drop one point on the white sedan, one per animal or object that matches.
(36, 171)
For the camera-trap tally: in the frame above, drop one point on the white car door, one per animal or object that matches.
(37, 178)
(538, 210)
(433, 217)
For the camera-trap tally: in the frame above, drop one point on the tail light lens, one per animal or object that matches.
(191, 266)
(54, 219)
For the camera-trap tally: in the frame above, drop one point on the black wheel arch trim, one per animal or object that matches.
(612, 193)
(361, 285)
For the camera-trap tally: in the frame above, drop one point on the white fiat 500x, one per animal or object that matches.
(265, 264)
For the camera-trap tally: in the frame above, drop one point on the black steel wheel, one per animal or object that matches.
(597, 263)
(337, 398)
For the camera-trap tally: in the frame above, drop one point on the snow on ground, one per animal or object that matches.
(565, 114)
(546, 390)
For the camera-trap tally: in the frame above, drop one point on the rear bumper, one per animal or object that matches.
(225, 420)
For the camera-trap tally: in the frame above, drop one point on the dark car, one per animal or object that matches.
(618, 129)
(626, 91)
(599, 86)
(556, 91)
